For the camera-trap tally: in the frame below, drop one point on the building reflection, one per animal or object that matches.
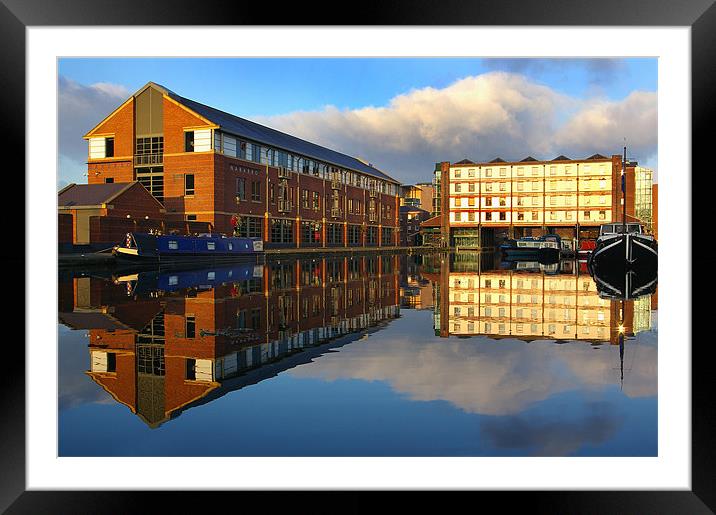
(475, 296)
(161, 343)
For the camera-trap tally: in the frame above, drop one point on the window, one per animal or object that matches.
(488, 216)
(488, 201)
(520, 171)
(503, 172)
(488, 187)
(189, 184)
(190, 369)
(256, 191)
(109, 147)
(488, 172)
(173, 245)
(304, 199)
(316, 201)
(471, 173)
(503, 215)
(190, 331)
(553, 170)
(109, 180)
(602, 215)
(458, 173)
(241, 188)
(471, 187)
(210, 245)
(189, 141)
(191, 218)
(503, 186)
(458, 188)
(586, 215)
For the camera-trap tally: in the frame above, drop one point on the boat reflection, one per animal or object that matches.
(161, 342)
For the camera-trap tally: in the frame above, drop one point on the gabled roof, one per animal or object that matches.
(91, 194)
(528, 159)
(561, 157)
(432, 222)
(413, 209)
(597, 156)
(498, 160)
(255, 132)
(464, 162)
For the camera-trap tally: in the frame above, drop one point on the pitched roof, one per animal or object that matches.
(464, 162)
(91, 194)
(498, 160)
(528, 159)
(561, 157)
(597, 156)
(413, 209)
(432, 222)
(261, 134)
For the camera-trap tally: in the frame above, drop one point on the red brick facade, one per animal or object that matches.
(363, 220)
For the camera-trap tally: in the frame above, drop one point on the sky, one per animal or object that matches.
(401, 114)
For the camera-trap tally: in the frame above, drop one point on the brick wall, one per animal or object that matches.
(64, 228)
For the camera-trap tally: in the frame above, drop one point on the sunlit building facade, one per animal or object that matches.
(484, 202)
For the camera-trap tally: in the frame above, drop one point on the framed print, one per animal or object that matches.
(142, 390)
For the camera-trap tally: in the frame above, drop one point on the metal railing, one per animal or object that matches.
(284, 206)
(335, 212)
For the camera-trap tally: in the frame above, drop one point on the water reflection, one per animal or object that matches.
(161, 342)
(359, 355)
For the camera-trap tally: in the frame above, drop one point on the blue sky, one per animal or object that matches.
(340, 103)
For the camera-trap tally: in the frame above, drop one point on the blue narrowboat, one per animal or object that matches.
(143, 247)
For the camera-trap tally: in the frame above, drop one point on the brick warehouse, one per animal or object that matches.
(206, 165)
(481, 203)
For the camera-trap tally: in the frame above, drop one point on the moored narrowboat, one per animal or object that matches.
(545, 249)
(143, 247)
(623, 247)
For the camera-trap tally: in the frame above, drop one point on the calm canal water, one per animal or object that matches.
(392, 355)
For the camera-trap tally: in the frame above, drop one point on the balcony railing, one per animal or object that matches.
(372, 217)
(373, 193)
(335, 184)
(336, 212)
(284, 173)
(148, 159)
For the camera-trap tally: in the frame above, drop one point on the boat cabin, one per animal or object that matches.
(608, 229)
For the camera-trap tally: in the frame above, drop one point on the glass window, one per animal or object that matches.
(189, 184)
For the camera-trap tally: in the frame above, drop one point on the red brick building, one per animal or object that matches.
(104, 213)
(207, 165)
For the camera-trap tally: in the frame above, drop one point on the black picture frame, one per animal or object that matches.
(16, 15)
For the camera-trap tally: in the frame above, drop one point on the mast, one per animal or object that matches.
(624, 192)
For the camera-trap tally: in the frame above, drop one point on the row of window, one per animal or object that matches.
(560, 185)
(521, 171)
(521, 216)
(256, 153)
(554, 200)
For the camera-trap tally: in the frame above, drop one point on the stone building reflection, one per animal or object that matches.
(161, 351)
(473, 296)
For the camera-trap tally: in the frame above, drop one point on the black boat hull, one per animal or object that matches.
(623, 253)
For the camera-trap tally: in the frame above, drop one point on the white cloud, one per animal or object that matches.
(481, 117)
(80, 108)
(485, 376)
